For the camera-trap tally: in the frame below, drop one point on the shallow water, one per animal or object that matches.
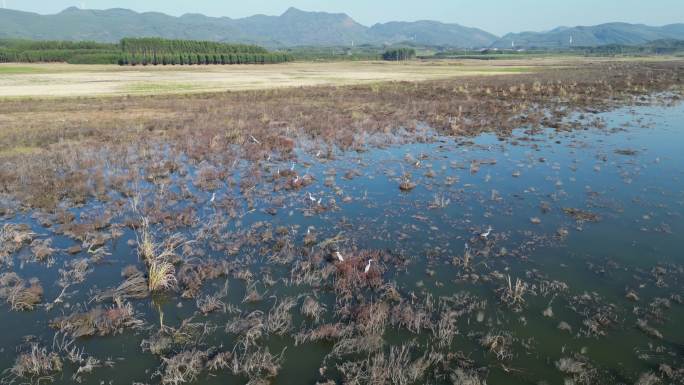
(463, 186)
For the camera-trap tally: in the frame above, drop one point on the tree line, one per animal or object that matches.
(396, 54)
(151, 45)
(137, 51)
(199, 58)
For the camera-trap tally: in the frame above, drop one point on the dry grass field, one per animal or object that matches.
(66, 80)
(63, 80)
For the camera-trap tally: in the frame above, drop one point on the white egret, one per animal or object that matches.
(486, 234)
(213, 198)
(368, 266)
(339, 256)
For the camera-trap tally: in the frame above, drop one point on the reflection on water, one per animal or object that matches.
(580, 274)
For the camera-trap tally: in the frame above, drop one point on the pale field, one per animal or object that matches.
(63, 80)
(66, 80)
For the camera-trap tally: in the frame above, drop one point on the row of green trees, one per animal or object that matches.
(193, 59)
(137, 52)
(47, 45)
(151, 45)
(74, 56)
(397, 54)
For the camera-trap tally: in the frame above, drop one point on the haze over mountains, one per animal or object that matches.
(300, 28)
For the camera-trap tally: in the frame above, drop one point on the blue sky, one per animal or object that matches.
(496, 16)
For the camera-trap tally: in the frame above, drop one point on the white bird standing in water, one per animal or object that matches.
(365, 271)
(292, 167)
(339, 256)
(485, 235)
(213, 198)
(311, 198)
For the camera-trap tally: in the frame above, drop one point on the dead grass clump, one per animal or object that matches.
(371, 319)
(581, 215)
(279, 319)
(648, 329)
(357, 345)
(249, 328)
(210, 303)
(209, 177)
(396, 367)
(168, 339)
(160, 275)
(21, 295)
(41, 249)
(220, 361)
(258, 365)
(499, 344)
(445, 329)
(327, 332)
(37, 365)
(512, 295)
(312, 309)
(12, 238)
(146, 245)
(98, 321)
(413, 319)
(407, 185)
(578, 368)
(350, 275)
(183, 367)
(463, 377)
(133, 287)
(191, 276)
(648, 378)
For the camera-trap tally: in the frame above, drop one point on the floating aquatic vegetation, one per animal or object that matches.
(183, 367)
(463, 377)
(210, 303)
(649, 330)
(581, 215)
(41, 249)
(192, 275)
(513, 295)
(249, 328)
(98, 321)
(578, 368)
(38, 364)
(500, 344)
(167, 339)
(325, 332)
(259, 365)
(12, 238)
(134, 286)
(21, 295)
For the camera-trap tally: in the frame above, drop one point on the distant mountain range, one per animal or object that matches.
(300, 28)
(603, 34)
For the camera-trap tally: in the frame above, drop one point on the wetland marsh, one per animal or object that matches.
(519, 229)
